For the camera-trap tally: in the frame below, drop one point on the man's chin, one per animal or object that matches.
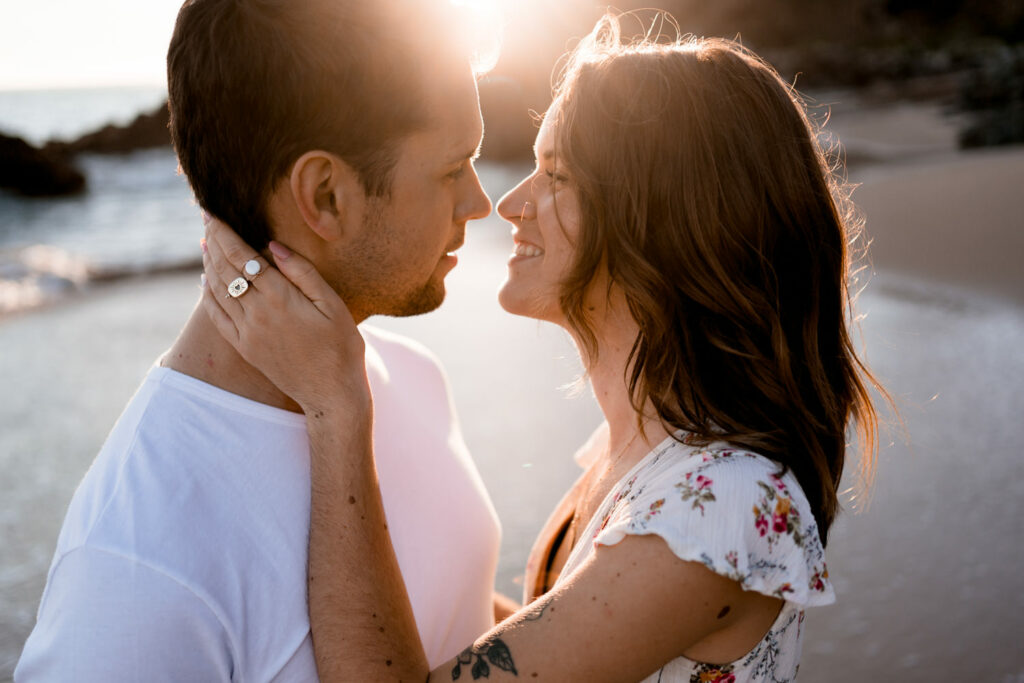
(428, 298)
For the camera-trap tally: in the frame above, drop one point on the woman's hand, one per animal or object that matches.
(289, 324)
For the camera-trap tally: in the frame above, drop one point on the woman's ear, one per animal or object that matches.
(325, 190)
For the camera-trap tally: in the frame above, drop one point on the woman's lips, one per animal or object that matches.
(524, 251)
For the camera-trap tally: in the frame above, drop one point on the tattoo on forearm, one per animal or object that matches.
(493, 650)
(537, 609)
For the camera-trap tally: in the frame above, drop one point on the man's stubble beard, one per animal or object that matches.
(361, 286)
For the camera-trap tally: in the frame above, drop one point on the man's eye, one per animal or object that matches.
(457, 173)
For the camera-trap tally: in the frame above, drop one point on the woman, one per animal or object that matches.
(682, 226)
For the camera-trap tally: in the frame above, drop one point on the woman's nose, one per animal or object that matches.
(515, 203)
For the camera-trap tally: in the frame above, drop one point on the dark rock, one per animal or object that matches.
(1003, 126)
(993, 96)
(146, 131)
(34, 172)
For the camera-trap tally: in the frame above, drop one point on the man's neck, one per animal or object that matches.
(201, 352)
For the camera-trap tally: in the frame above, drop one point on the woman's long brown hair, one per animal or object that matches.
(704, 192)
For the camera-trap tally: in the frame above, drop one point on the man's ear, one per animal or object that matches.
(327, 193)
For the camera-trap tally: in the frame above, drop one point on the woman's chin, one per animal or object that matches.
(508, 300)
(528, 304)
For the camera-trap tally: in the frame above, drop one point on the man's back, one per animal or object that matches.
(183, 554)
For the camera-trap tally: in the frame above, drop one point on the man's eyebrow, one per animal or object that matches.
(472, 154)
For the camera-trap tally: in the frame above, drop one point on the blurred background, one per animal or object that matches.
(99, 263)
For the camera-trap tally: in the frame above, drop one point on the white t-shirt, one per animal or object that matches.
(183, 553)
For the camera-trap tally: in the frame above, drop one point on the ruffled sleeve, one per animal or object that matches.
(731, 511)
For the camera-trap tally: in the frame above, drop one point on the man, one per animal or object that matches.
(347, 130)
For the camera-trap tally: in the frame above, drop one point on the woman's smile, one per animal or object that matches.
(523, 251)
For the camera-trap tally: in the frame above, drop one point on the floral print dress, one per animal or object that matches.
(733, 512)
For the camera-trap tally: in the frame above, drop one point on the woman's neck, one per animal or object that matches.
(630, 435)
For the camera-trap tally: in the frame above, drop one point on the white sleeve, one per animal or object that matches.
(736, 515)
(106, 617)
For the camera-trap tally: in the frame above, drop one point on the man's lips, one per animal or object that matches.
(456, 245)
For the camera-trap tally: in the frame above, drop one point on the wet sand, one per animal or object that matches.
(927, 576)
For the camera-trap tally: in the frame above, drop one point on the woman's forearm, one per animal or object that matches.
(362, 620)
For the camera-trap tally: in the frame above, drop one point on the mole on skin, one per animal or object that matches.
(725, 610)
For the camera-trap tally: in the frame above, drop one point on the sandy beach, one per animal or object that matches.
(927, 572)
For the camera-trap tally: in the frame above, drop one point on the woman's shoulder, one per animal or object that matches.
(738, 512)
(686, 451)
(678, 461)
(678, 464)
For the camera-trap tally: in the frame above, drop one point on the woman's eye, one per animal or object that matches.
(555, 177)
(457, 173)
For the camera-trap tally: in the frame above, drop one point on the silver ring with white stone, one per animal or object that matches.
(237, 288)
(253, 269)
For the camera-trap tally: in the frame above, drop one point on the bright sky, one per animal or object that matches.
(59, 43)
(71, 43)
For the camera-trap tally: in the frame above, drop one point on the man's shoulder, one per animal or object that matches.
(393, 360)
(194, 517)
(176, 460)
(394, 347)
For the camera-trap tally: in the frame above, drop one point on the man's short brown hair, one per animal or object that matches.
(254, 84)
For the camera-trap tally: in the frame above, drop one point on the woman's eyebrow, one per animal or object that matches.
(547, 156)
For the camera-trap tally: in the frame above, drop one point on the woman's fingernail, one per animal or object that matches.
(280, 252)
(202, 243)
(202, 280)
(206, 217)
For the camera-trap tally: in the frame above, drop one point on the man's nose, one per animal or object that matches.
(478, 204)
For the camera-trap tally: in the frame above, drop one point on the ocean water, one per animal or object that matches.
(135, 217)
